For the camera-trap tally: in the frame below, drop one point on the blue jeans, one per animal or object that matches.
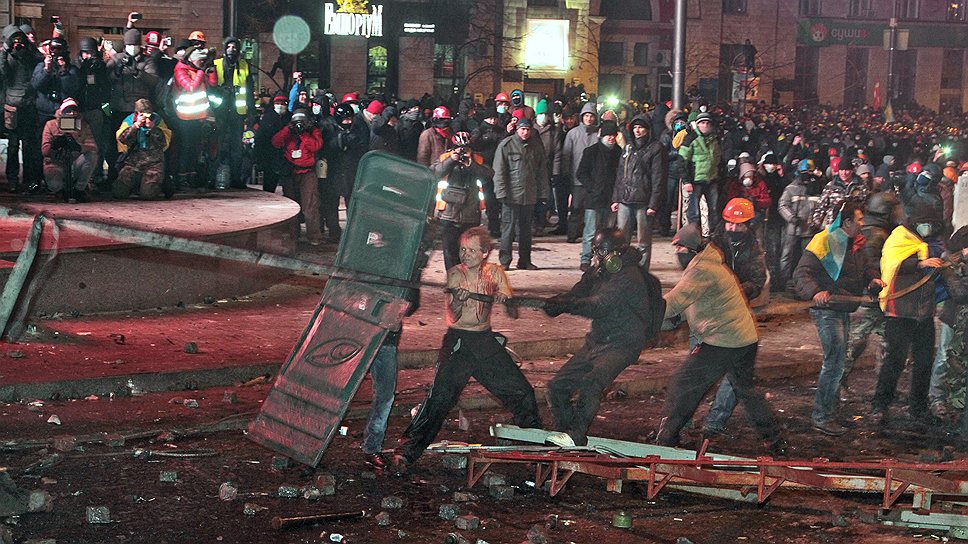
(595, 218)
(939, 370)
(643, 224)
(383, 372)
(711, 191)
(833, 328)
(721, 409)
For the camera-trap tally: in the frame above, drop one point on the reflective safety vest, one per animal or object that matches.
(192, 105)
(239, 77)
(442, 186)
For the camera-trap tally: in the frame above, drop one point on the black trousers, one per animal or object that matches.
(562, 191)
(329, 208)
(492, 207)
(901, 336)
(576, 213)
(465, 355)
(575, 392)
(516, 221)
(670, 205)
(450, 241)
(702, 369)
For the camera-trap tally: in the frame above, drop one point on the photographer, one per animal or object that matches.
(69, 152)
(299, 141)
(459, 196)
(194, 77)
(143, 139)
(55, 79)
(17, 61)
(133, 76)
(94, 88)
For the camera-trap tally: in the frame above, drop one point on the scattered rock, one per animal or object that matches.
(279, 462)
(168, 476)
(98, 515)
(251, 509)
(402, 534)
(683, 540)
(382, 519)
(190, 403)
(113, 440)
(6, 537)
(288, 492)
(839, 520)
(463, 496)
(551, 521)
(118, 338)
(229, 397)
(190, 347)
(326, 483)
(40, 501)
(501, 492)
(14, 354)
(448, 511)
(455, 462)
(493, 478)
(64, 442)
(311, 493)
(456, 538)
(536, 535)
(467, 522)
(165, 437)
(209, 300)
(227, 491)
(368, 475)
(391, 502)
(54, 420)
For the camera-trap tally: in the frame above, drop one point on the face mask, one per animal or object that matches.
(770, 168)
(747, 182)
(678, 126)
(280, 109)
(502, 109)
(558, 118)
(963, 179)
(606, 143)
(316, 109)
(542, 119)
(924, 229)
(737, 238)
(232, 55)
(132, 50)
(410, 115)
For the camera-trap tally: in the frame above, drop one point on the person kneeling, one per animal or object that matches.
(142, 139)
(70, 153)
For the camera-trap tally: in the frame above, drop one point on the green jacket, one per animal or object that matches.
(703, 156)
(521, 171)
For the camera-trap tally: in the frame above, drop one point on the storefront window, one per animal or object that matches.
(376, 70)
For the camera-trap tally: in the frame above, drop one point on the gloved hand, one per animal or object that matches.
(556, 305)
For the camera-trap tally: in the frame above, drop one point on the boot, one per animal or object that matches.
(664, 436)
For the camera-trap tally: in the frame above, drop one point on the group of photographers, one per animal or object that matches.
(123, 110)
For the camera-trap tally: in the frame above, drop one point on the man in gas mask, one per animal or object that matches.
(911, 260)
(710, 299)
(18, 58)
(237, 110)
(342, 149)
(625, 305)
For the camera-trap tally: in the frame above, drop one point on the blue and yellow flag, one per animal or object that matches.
(830, 247)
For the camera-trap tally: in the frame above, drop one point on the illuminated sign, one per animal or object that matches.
(352, 18)
(547, 44)
(419, 28)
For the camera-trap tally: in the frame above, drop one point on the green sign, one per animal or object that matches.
(824, 32)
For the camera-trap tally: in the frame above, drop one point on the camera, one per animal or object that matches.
(54, 19)
(297, 127)
(462, 154)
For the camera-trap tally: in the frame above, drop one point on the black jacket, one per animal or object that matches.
(17, 68)
(266, 155)
(746, 259)
(384, 137)
(485, 138)
(53, 87)
(95, 86)
(642, 174)
(596, 172)
(132, 78)
(810, 277)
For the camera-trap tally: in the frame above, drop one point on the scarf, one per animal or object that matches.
(830, 247)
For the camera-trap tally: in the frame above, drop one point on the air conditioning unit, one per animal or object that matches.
(661, 58)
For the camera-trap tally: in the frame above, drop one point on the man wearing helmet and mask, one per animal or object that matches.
(625, 305)
(342, 149)
(435, 140)
(459, 194)
(834, 264)
(133, 76)
(709, 298)
(18, 59)
(237, 111)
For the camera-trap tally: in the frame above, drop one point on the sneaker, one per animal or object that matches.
(562, 440)
(376, 460)
(400, 464)
(829, 428)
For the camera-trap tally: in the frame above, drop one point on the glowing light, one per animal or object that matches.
(547, 44)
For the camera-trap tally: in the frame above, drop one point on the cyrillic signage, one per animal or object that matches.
(352, 18)
(824, 32)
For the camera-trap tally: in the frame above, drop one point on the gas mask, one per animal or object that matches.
(279, 108)
(924, 229)
(611, 261)
(317, 108)
(232, 54)
(132, 50)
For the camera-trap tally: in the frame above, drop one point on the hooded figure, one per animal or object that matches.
(18, 59)
(583, 136)
(69, 151)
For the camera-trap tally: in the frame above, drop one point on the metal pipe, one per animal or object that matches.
(679, 57)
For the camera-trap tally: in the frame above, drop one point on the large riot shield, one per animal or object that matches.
(385, 225)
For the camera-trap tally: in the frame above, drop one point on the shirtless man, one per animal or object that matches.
(471, 349)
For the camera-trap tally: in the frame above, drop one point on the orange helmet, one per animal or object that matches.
(197, 36)
(738, 210)
(502, 97)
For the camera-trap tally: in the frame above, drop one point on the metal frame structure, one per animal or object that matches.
(938, 491)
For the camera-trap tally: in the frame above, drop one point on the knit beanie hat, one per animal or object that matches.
(608, 128)
(375, 107)
(541, 107)
(132, 36)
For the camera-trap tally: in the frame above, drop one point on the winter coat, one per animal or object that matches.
(431, 146)
(810, 277)
(796, 208)
(703, 157)
(95, 87)
(577, 140)
(552, 139)
(709, 298)
(343, 148)
(132, 78)
(758, 194)
(189, 78)
(485, 140)
(53, 87)
(676, 163)
(596, 172)
(922, 302)
(307, 144)
(52, 134)
(642, 173)
(266, 155)
(147, 152)
(833, 195)
(384, 137)
(617, 303)
(465, 179)
(409, 131)
(17, 69)
(520, 171)
(746, 259)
